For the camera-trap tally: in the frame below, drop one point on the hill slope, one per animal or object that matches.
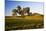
(24, 22)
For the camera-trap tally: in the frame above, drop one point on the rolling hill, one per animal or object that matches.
(35, 21)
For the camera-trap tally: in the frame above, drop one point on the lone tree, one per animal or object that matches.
(23, 12)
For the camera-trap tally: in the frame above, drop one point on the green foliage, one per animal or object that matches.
(19, 7)
(14, 10)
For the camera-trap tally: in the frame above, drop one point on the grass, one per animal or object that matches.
(29, 22)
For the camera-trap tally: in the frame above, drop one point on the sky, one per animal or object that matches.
(35, 7)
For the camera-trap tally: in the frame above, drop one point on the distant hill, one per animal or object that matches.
(36, 14)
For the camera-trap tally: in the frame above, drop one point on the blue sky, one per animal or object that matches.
(35, 7)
